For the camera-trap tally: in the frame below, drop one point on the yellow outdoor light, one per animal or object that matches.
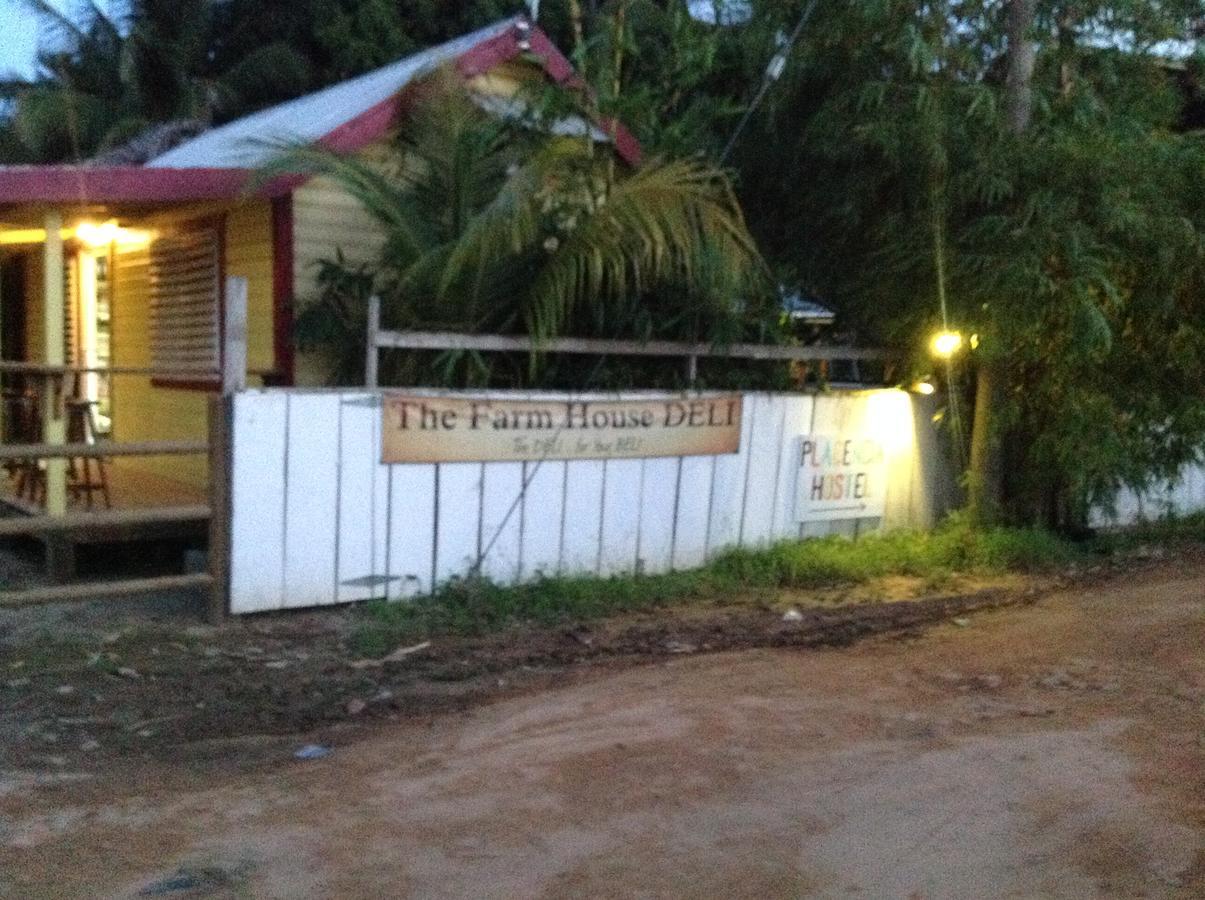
(95, 235)
(924, 387)
(945, 344)
(103, 234)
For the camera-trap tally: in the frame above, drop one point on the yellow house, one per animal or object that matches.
(122, 269)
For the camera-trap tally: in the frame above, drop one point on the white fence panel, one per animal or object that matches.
(1183, 496)
(501, 521)
(621, 516)
(797, 422)
(257, 523)
(411, 530)
(543, 517)
(318, 519)
(658, 490)
(728, 489)
(358, 576)
(582, 527)
(458, 517)
(693, 511)
(311, 500)
(761, 473)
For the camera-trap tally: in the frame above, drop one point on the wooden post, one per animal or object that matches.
(221, 445)
(234, 336)
(54, 422)
(372, 351)
(221, 454)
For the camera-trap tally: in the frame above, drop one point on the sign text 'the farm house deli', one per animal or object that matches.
(425, 429)
(841, 478)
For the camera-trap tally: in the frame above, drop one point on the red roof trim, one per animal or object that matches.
(375, 123)
(101, 184)
(145, 184)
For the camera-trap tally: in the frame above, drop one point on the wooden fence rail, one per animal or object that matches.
(58, 527)
(381, 339)
(103, 449)
(106, 520)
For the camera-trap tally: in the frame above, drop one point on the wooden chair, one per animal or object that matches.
(23, 424)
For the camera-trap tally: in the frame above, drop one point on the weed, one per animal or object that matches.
(476, 606)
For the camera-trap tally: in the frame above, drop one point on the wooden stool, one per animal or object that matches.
(86, 474)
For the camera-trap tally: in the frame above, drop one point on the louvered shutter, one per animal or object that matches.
(185, 290)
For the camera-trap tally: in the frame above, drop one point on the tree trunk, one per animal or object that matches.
(984, 477)
(1022, 54)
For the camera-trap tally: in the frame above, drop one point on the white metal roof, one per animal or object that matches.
(248, 142)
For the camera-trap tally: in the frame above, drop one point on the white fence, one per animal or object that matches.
(317, 519)
(1180, 497)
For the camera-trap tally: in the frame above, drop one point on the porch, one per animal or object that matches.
(120, 323)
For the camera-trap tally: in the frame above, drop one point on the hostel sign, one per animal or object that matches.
(431, 429)
(840, 478)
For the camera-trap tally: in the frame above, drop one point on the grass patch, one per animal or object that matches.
(1171, 530)
(468, 607)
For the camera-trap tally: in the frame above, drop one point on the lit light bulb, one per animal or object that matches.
(945, 344)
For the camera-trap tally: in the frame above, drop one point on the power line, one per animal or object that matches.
(774, 70)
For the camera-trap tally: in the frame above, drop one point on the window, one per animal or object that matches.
(185, 282)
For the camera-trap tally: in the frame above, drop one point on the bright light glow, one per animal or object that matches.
(889, 421)
(23, 236)
(945, 344)
(924, 387)
(92, 234)
(974, 342)
(97, 235)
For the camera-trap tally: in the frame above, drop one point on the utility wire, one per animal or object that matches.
(773, 72)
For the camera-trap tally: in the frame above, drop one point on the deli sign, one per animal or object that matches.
(431, 429)
(840, 478)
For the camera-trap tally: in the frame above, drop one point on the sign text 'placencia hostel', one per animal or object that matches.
(425, 429)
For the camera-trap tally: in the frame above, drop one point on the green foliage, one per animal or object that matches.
(1075, 251)
(478, 606)
(499, 227)
(334, 326)
(103, 77)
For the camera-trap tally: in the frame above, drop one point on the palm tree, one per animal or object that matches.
(500, 226)
(105, 80)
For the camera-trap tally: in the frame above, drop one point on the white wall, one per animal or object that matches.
(318, 520)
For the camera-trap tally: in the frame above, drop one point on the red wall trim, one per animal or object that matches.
(282, 290)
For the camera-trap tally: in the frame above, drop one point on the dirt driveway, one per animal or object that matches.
(1052, 750)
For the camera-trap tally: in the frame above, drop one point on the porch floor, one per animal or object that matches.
(131, 486)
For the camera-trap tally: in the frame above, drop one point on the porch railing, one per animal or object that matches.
(58, 527)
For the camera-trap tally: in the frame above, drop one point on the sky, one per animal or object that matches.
(19, 33)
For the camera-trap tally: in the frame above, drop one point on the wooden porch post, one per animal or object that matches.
(54, 422)
(221, 446)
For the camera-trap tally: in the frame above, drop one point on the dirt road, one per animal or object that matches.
(1053, 750)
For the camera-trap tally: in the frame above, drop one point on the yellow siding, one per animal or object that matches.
(326, 220)
(35, 294)
(249, 255)
(143, 410)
